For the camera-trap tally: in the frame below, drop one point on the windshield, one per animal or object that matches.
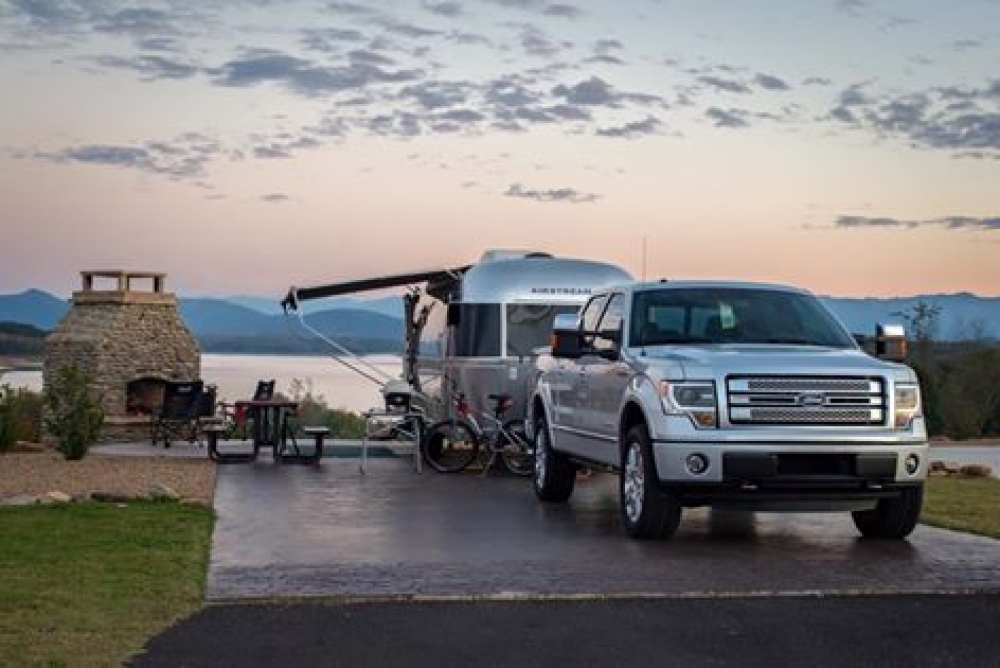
(733, 315)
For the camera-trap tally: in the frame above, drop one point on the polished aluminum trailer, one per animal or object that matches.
(475, 329)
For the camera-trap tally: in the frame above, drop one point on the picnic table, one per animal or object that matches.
(270, 427)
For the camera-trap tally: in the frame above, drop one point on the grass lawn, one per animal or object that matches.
(963, 504)
(89, 583)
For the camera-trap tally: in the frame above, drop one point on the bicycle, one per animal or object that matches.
(452, 444)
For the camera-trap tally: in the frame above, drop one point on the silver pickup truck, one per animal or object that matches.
(729, 393)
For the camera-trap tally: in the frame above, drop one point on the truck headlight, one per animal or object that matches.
(695, 399)
(907, 402)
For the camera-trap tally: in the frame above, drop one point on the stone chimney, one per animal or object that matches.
(118, 333)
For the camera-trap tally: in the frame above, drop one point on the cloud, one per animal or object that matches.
(449, 9)
(634, 130)
(964, 120)
(184, 157)
(562, 11)
(591, 92)
(985, 224)
(137, 22)
(150, 68)
(724, 85)
(329, 40)
(275, 198)
(304, 77)
(437, 94)
(554, 195)
(770, 82)
(733, 118)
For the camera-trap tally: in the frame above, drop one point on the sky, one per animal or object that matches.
(851, 147)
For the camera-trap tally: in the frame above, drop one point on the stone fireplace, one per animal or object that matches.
(127, 334)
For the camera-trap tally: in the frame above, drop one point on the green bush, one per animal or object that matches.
(73, 412)
(20, 416)
(314, 412)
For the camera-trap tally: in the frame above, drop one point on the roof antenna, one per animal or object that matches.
(643, 259)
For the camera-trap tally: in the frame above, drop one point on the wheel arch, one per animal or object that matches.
(632, 415)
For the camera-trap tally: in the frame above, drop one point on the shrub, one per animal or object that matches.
(73, 412)
(20, 416)
(314, 411)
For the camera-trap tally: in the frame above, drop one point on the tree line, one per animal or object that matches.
(959, 379)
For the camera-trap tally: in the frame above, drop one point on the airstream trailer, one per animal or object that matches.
(477, 329)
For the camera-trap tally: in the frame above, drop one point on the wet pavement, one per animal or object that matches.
(306, 531)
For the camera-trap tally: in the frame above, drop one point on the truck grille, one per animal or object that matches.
(814, 400)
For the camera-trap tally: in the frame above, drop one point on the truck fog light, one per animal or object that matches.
(696, 464)
(912, 464)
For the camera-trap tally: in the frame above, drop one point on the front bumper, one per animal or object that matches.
(799, 464)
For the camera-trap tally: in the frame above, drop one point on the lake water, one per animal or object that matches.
(236, 377)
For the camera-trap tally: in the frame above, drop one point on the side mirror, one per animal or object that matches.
(890, 343)
(566, 338)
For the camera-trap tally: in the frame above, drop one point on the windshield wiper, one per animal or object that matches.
(788, 341)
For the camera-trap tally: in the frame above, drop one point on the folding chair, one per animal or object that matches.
(178, 415)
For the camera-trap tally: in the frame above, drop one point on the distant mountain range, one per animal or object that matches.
(221, 325)
(254, 324)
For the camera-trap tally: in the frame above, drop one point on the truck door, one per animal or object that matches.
(604, 379)
(571, 395)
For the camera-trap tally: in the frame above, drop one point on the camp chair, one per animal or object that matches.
(178, 416)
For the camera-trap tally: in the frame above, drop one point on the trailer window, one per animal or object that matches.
(477, 330)
(529, 326)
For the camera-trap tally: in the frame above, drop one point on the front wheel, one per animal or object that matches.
(891, 519)
(555, 475)
(450, 445)
(516, 451)
(647, 511)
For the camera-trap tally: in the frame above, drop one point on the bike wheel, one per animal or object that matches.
(450, 445)
(516, 451)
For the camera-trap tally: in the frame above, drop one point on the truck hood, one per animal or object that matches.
(696, 362)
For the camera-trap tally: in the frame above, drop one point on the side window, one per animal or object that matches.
(610, 321)
(591, 313)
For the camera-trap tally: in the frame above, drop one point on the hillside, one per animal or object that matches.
(224, 326)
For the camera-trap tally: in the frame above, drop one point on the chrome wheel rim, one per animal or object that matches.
(633, 483)
(541, 455)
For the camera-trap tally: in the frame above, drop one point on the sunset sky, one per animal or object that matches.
(848, 146)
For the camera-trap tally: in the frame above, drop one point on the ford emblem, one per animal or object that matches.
(810, 399)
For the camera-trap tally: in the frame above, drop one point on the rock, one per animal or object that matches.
(939, 467)
(976, 471)
(161, 492)
(19, 500)
(58, 497)
(110, 497)
(28, 446)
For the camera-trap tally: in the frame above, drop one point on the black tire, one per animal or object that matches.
(518, 454)
(450, 446)
(647, 510)
(554, 475)
(894, 518)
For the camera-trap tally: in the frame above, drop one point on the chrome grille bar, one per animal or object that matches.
(797, 400)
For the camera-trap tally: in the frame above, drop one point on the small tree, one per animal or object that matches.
(20, 416)
(73, 412)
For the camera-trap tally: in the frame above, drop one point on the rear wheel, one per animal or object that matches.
(450, 445)
(554, 475)
(892, 519)
(517, 453)
(647, 511)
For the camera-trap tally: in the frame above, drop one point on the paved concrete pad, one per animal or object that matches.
(292, 530)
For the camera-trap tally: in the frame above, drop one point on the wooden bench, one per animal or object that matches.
(212, 433)
(283, 452)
